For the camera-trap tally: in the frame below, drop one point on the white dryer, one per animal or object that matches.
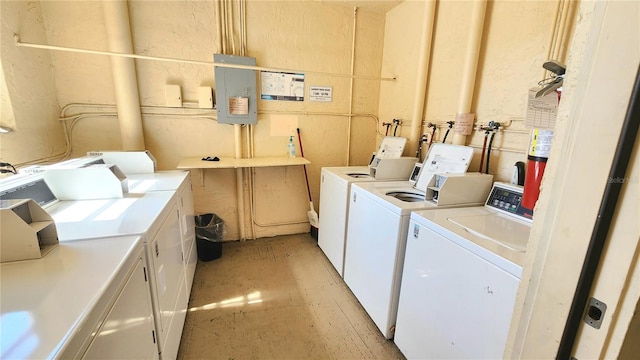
(154, 217)
(461, 273)
(178, 182)
(377, 230)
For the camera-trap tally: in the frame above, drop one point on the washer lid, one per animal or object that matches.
(443, 158)
(501, 229)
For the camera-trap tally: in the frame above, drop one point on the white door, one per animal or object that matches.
(128, 330)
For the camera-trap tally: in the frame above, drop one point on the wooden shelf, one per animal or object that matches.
(231, 163)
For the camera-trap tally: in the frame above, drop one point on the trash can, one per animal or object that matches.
(209, 236)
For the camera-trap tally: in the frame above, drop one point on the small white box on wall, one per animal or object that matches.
(173, 95)
(205, 97)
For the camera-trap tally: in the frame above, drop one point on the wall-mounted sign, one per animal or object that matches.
(320, 93)
(281, 86)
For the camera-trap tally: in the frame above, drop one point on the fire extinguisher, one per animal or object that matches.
(537, 156)
(540, 143)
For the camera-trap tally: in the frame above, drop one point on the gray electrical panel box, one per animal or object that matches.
(236, 91)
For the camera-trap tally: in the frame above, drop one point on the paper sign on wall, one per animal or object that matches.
(464, 123)
(283, 125)
(320, 93)
(541, 112)
(281, 86)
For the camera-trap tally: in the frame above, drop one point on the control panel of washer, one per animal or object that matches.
(506, 198)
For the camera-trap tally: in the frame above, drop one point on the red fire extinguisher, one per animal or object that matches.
(537, 156)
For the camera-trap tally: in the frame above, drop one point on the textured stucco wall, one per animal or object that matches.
(307, 35)
(515, 43)
(29, 99)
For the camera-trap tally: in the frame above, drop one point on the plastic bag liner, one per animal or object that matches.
(209, 232)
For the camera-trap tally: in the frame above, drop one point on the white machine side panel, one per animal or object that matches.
(165, 253)
(187, 233)
(334, 199)
(453, 304)
(371, 259)
(127, 331)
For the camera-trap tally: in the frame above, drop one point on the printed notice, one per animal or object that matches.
(464, 123)
(541, 112)
(281, 86)
(320, 93)
(238, 106)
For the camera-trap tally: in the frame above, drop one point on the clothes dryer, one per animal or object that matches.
(461, 274)
(178, 182)
(154, 217)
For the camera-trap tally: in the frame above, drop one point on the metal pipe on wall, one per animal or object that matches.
(469, 71)
(353, 61)
(423, 74)
(239, 180)
(116, 17)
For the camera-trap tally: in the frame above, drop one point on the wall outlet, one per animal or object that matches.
(173, 95)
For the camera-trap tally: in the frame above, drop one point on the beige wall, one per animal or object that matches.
(307, 35)
(29, 99)
(515, 43)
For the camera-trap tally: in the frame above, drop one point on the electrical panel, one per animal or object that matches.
(236, 90)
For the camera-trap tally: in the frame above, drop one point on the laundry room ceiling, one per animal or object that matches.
(375, 5)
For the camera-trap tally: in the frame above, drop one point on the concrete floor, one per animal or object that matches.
(277, 298)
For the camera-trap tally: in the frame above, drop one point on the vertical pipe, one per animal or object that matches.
(353, 58)
(469, 71)
(239, 180)
(422, 75)
(116, 17)
(219, 27)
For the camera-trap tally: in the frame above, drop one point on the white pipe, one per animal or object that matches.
(20, 43)
(562, 32)
(471, 63)
(239, 180)
(116, 17)
(232, 37)
(353, 60)
(218, 28)
(428, 23)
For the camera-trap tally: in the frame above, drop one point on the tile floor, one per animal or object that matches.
(277, 298)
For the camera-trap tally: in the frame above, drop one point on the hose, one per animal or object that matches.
(489, 151)
(448, 129)
(484, 147)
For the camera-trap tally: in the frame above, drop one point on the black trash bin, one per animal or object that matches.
(209, 236)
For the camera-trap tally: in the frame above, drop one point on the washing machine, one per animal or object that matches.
(335, 184)
(461, 273)
(377, 228)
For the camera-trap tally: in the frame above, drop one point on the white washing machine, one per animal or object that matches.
(335, 184)
(377, 230)
(461, 273)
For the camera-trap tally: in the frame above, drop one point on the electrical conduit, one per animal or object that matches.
(353, 58)
(469, 71)
(116, 17)
(422, 75)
